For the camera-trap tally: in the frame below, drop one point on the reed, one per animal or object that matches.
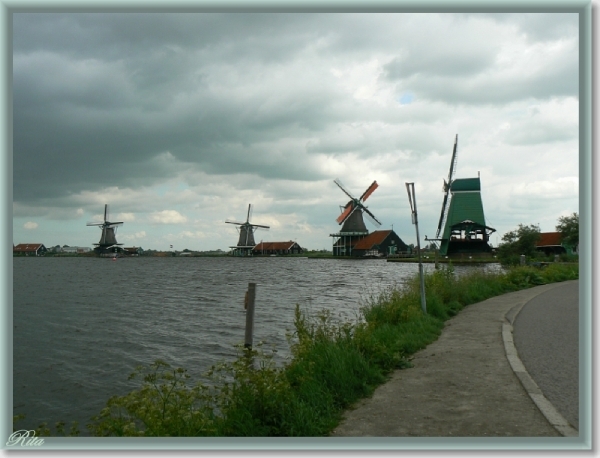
(332, 365)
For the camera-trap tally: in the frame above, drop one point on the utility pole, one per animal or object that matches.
(410, 188)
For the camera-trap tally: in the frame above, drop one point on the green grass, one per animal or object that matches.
(333, 364)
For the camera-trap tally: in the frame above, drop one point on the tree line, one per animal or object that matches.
(523, 240)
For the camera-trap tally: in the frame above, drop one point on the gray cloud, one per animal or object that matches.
(202, 113)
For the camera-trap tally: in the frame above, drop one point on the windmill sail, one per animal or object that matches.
(352, 214)
(447, 185)
(345, 213)
(369, 191)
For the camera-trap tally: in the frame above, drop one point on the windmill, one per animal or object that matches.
(461, 227)
(108, 240)
(354, 227)
(246, 230)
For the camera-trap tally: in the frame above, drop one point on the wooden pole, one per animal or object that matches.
(249, 306)
(412, 199)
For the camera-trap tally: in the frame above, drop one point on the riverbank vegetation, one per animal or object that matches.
(332, 365)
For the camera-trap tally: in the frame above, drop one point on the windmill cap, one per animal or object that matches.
(466, 184)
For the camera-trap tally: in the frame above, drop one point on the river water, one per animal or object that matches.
(81, 325)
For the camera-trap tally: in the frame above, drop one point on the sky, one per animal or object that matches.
(180, 121)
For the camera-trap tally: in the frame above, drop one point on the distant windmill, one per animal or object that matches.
(354, 227)
(108, 240)
(461, 227)
(246, 230)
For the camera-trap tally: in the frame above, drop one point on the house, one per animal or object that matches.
(551, 243)
(280, 248)
(133, 251)
(379, 244)
(29, 249)
(75, 249)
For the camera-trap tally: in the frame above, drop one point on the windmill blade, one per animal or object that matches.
(341, 186)
(118, 223)
(453, 161)
(371, 217)
(447, 186)
(369, 191)
(261, 226)
(105, 212)
(235, 222)
(94, 224)
(442, 215)
(345, 214)
(249, 213)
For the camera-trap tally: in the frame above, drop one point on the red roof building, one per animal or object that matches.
(372, 240)
(550, 243)
(377, 244)
(29, 249)
(282, 248)
(549, 239)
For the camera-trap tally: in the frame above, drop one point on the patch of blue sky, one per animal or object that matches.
(162, 189)
(406, 99)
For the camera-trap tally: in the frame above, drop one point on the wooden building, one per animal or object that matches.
(375, 244)
(29, 249)
(277, 248)
(551, 243)
(132, 251)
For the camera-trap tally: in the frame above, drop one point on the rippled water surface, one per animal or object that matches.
(81, 325)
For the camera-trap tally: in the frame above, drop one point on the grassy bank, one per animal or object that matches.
(333, 364)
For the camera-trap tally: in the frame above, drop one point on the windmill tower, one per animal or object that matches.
(354, 228)
(462, 222)
(246, 240)
(107, 246)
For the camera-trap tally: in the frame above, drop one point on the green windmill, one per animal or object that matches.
(462, 218)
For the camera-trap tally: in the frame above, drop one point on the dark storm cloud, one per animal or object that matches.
(97, 96)
(126, 99)
(116, 36)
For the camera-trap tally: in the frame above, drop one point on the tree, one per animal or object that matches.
(568, 226)
(521, 241)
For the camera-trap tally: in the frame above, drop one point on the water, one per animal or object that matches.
(81, 325)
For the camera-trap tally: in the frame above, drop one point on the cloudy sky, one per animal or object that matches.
(179, 121)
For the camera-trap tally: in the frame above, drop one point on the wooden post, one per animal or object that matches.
(249, 306)
(412, 199)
